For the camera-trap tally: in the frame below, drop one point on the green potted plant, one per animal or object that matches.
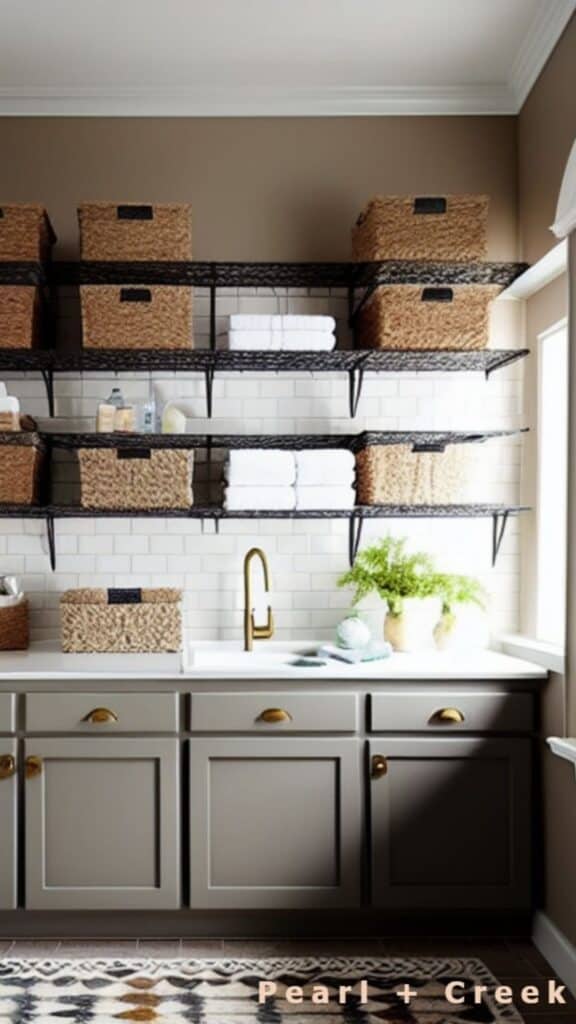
(457, 590)
(409, 584)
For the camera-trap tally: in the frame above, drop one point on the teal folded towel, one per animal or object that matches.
(372, 652)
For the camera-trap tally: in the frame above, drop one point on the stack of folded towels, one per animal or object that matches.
(259, 480)
(280, 333)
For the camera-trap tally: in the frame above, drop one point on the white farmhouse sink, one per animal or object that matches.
(265, 657)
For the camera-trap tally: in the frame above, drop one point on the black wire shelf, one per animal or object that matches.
(354, 362)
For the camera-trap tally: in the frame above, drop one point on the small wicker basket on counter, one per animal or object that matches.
(26, 234)
(21, 467)
(15, 627)
(135, 231)
(422, 228)
(121, 621)
(157, 317)
(136, 478)
(399, 474)
(409, 316)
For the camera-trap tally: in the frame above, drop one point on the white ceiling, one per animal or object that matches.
(278, 57)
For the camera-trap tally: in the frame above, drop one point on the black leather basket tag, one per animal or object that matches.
(430, 204)
(133, 453)
(135, 295)
(135, 212)
(125, 596)
(437, 295)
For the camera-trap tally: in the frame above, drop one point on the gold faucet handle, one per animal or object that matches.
(263, 632)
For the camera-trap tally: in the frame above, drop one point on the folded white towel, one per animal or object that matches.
(271, 467)
(259, 499)
(276, 341)
(329, 498)
(334, 466)
(281, 322)
(308, 341)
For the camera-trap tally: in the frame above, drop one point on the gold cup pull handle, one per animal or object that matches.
(101, 716)
(33, 767)
(379, 766)
(7, 766)
(272, 715)
(448, 716)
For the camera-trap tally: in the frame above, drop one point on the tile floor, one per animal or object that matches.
(513, 961)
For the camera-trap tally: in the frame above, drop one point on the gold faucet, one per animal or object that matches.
(251, 630)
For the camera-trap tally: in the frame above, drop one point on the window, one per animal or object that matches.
(552, 483)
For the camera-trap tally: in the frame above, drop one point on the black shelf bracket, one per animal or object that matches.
(51, 537)
(355, 383)
(48, 378)
(209, 385)
(499, 524)
(355, 525)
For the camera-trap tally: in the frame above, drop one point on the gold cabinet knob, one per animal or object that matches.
(101, 716)
(33, 767)
(379, 766)
(7, 766)
(448, 716)
(275, 715)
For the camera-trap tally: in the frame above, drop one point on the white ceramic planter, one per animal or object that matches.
(413, 630)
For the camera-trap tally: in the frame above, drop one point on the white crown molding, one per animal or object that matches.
(331, 102)
(545, 31)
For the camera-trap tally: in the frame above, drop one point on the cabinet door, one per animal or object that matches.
(102, 824)
(275, 822)
(8, 804)
(450, 823)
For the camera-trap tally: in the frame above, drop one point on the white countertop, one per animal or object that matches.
(220, 661)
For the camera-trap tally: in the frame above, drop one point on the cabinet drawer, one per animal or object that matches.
(7, 712)
(273, 712)
(101, 713)
(449, 711)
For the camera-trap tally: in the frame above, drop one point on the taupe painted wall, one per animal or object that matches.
(546, 131)
(261, 188)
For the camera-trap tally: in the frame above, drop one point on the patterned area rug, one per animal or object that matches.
(227, 991)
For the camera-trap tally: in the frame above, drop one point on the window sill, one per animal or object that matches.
(563, 748)
(548, 656)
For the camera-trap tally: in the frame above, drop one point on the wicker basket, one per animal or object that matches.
(408, 316)
(15, 627)
(422, 228)
(21, 465)
(19, 316)
(136, 318)
(128, 478)
(395, 474)
(25, 232)
(121, 621)
(132, 231)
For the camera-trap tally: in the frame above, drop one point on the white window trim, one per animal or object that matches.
(548, 656)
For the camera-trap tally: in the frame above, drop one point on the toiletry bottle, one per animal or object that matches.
(116, 398)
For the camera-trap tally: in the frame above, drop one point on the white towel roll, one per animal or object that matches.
(334, 466)
(277, 341)
(281, 322)
(259, 499)
(272, 467)
(308, 341)
(329, 498)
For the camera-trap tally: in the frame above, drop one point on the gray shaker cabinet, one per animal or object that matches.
(8, 823)
(102, 824)
(450, 823)
(275, 822)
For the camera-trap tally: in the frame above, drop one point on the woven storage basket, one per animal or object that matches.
(135, 478)
(25, 232)
(395, 474)
(21, 464)
(422, 228)
(136, 318)
(19, 316)
(409, 316)
(121, 621)
(15, 627)
(132, 231)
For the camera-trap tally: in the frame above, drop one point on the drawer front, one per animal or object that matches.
(266, 713)
(101, 713)
(444, 711)
(7, 712)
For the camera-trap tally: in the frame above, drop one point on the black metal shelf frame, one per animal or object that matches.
(356, 278)
(499, 514)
